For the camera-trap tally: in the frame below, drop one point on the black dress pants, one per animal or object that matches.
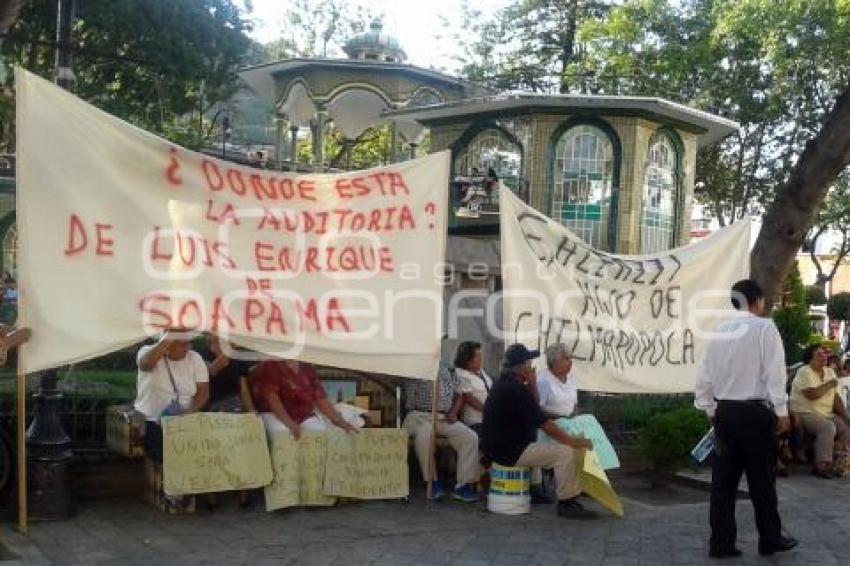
(746, 441)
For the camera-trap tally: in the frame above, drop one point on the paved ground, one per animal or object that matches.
(816, 511)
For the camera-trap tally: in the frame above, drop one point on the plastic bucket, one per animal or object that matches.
(509, 490)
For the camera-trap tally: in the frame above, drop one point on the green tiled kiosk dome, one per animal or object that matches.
(375, 45)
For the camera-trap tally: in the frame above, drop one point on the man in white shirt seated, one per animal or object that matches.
(556, 387)
(557, 395)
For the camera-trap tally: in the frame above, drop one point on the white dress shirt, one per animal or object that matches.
(747, 363)
(557, 397)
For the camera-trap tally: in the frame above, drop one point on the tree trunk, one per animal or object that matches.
(797, 202)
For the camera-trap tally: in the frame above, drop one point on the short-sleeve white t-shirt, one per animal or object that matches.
(475, 385)
(557, 397)
(154, 391)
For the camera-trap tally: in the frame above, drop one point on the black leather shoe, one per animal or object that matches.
(539, 496)
(572, 509)
(730, 553)
(784, 544)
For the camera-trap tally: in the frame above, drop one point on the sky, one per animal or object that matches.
(413, 22)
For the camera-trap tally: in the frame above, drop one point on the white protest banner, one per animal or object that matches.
(634, 324)
(209, 452)
(123, 234)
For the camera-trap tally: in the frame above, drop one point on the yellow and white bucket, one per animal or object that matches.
(509, 490)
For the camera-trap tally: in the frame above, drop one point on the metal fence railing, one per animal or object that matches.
(83, 406)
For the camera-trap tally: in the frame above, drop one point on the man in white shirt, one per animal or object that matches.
(556, 388)
(741, 387)
(557, 395)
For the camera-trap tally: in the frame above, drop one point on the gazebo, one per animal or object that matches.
(617, 170)
(353, 94)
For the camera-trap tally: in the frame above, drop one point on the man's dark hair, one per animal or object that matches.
(746, 290)
(809, 353)
(465, 353)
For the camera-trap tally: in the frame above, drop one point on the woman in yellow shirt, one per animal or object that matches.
(818, 409)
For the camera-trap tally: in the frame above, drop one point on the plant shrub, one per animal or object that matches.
(667, 440)
(815, 295)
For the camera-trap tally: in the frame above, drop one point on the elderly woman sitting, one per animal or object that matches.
(818, 409)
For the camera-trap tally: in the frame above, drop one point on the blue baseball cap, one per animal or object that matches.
(517, 354)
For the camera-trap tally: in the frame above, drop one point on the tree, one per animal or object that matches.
(529, 45)
(775, 67)
(9, 11)
(792, 319)
(791, 214)
(318, 28)
(815, 295)
(834, 217)
(838, 307)
(151, 62)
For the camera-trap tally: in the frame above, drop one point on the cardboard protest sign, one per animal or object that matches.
(123, 234)
(210, 452)
(299, 471)
(634, 324)
(369, 465)
(321, 466)
(594, 482)
(586, 426)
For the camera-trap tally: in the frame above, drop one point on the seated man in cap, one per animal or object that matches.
(512, 417)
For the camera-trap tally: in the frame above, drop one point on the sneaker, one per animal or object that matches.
(572, 509)
(465, 493)
(438, 491)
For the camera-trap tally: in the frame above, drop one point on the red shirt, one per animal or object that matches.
(297, 391)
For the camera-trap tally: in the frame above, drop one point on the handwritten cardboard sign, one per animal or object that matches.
(369, 465)
(210, 452)
(322, 466)
(326, 268)
(633, 324)
(586, 426)
(299, 471)
(594, 482)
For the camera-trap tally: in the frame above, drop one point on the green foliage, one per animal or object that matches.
(667, 440)
(838, 307)
(528, 45)
(774, 67)
(150, 62)
(815, 295)
(793, 290)
(317, 28)
(639, 409)
(794, 327)
(792, 319)
(371, 149)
